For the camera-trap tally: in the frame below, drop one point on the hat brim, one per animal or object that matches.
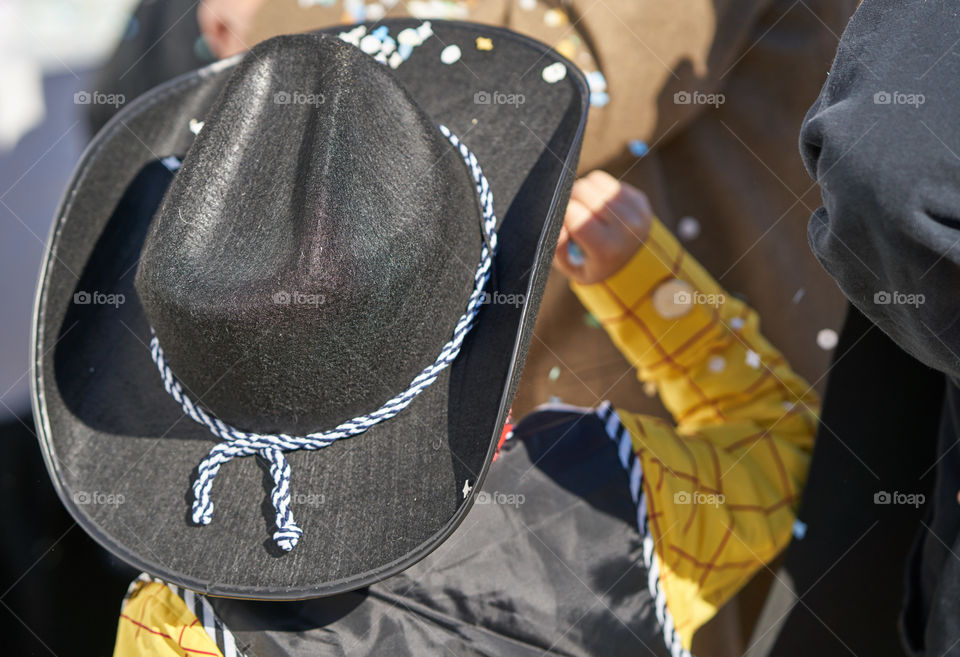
(121, 453)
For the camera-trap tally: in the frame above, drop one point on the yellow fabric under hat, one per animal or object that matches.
(155, 622)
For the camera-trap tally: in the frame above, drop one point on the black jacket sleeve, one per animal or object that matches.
(883, 142)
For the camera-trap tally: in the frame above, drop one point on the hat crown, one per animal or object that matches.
(317, 246)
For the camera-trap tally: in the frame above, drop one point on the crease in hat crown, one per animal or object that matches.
(331, 147)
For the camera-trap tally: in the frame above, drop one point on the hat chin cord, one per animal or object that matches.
(271, 447)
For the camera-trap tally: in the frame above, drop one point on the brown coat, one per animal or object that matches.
(732, 166)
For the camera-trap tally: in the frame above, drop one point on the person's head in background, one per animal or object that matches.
(225, 25)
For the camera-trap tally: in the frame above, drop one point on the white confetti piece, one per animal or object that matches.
(408, 37)
(196, 126)
(353, 36)
(376, 11)
(383, 47)
(528, 5)
(799, 295)
(596, 81)
(716, 364)
(674, 299)
(688, 229)
(827, 339)
(554, 373)
(450, 54)
(736, 323)
(425, 31)
(370, 44)
(554, 73)
(753, 359)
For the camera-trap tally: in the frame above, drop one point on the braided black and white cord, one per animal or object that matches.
(237, 443)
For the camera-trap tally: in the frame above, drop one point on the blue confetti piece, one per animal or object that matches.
(575, 254)
(638, 148)
(405, 50)
(599, 99)
(382, 32)
(172, 163)
(799, 529)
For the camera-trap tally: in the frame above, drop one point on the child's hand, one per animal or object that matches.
(606, 223)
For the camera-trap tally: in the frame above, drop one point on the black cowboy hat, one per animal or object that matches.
(350, 257)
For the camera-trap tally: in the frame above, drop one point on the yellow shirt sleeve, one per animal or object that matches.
(155, 622)
(723, 483)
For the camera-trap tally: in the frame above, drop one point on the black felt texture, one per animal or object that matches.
(309, 261)
(371, 505)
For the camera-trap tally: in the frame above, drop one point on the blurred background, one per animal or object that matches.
(65, 67)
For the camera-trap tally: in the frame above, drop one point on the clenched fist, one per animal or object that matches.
(606, 223)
